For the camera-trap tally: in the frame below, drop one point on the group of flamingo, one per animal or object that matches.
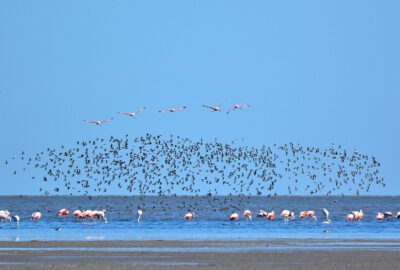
(286, 215)
(305, 214)
(133, 114)
(78, 214)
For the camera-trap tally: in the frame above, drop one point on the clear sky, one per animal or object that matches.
(314, 72)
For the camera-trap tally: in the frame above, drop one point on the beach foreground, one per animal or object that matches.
(266, 254)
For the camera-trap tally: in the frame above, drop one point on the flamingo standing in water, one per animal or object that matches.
(350, 217)
(287, 215)
(63, 212)
(77, 213)
(5, 215)
(309, 213)
(247, 214)
(100, 215)
(379, 216)
(271, 215)
(358, 215)
(36, 215)
(189, 215)
(234, 216)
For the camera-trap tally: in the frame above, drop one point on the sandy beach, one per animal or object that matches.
(265, 254)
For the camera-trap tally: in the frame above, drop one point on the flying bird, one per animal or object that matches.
(173, 109)
(133, 114)
(214, 108)
(237, 107)
(98, 122)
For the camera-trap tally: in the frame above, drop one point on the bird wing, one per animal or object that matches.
(179, 108)
(208, 107)
(141, 110)
(231, 109)
(90, 121)
(105, 121)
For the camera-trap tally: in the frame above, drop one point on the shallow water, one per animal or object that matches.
(163, 218)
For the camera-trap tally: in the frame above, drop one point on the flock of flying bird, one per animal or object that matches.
(226, 174)
(217, 108)
(171, 166)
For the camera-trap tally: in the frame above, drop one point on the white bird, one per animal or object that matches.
(133, 114)
(238, 107)
(173, 109)
(326, 214)
(214, 108)
(98, 122)
(16, 219)
(140, 213)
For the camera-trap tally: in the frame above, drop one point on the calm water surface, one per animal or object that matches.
(162, 219)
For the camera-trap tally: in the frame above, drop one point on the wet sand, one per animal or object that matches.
(266, 254)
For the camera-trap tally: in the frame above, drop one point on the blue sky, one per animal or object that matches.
(314, 72)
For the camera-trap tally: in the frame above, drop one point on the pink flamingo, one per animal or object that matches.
(63, 212)
(350, 217)
(247, 214)
(36, 215)
(234, 216)
(271, 215)
(358, 215)
(286, 214)
(189, 216)
(379, 216)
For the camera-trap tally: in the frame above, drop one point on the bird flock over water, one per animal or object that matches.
(172, 165)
